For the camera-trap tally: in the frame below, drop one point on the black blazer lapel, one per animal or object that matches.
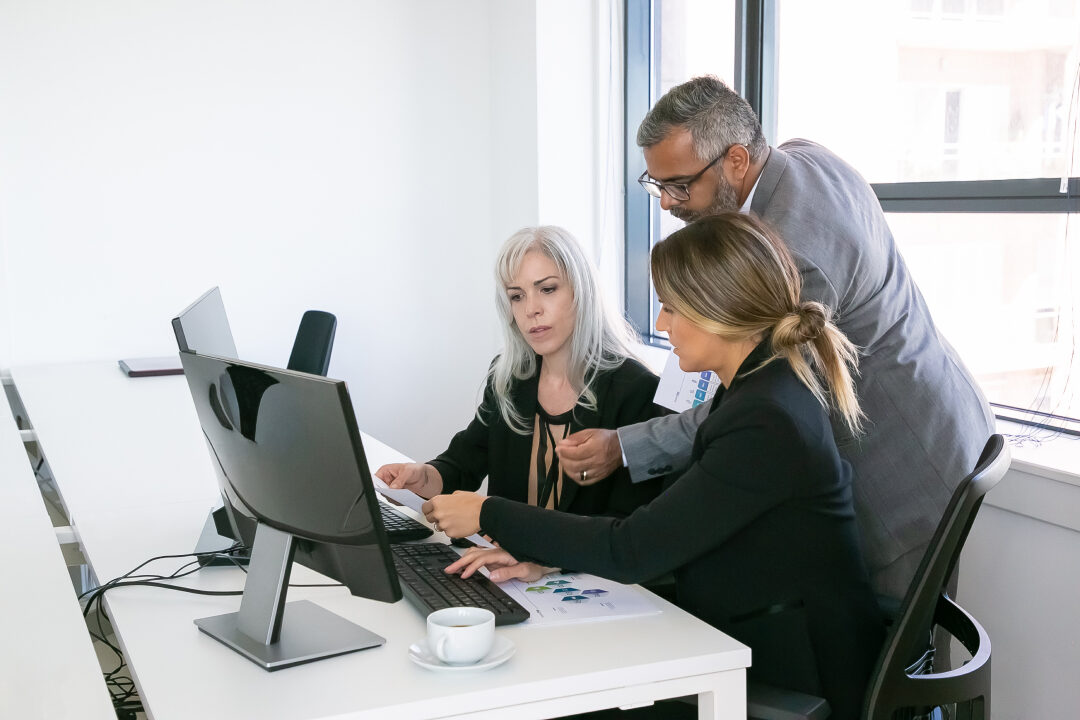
(585, 418)
(515, 474)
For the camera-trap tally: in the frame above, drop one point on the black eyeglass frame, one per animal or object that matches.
(679, 192)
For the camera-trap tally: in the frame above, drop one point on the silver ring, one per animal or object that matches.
(437, 527)
(584, 476)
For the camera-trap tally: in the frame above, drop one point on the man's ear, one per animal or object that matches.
(738, 160)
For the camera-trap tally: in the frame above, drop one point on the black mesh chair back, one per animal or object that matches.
(314, 342)
(904, 684)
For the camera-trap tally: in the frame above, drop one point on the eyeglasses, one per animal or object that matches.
(679, 192)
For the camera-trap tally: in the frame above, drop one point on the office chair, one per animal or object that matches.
(904, 685)
(313, 343)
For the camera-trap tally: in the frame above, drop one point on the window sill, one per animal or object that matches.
(1044, 453)
(1044, 478)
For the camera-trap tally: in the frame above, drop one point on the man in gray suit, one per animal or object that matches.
(927, 419)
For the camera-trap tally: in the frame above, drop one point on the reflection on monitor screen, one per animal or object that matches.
(289, 461)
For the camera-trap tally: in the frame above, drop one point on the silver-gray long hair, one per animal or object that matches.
(600, 341)
(715, 115)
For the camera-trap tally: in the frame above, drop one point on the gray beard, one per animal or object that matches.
(726, 199)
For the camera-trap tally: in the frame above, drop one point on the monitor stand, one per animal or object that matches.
(259, 631)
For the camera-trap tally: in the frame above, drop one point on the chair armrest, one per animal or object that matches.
(765, 702)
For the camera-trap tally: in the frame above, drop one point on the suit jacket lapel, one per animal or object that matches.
(775, 164)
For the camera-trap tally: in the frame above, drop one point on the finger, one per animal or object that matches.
(514, 572)
(457, 565)
(574, 451)
(430, 514)
(580, 436)
(570, 441)
(474, 566)
(481, 559)
(578, 457)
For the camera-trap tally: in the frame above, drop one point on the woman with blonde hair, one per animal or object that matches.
(760, 530)
(566, 365)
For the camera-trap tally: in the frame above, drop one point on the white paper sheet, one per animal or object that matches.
(564, 598)
(680, 390)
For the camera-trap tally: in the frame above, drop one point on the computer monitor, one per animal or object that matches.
(203, 327)
(288, 456)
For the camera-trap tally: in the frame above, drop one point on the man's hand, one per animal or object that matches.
(457, 515)
(588, 456)
(421, 478)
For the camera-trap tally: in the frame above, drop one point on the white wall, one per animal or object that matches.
(1019, 577)
(365, 158)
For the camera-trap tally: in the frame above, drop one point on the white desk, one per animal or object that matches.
(48, 668)
(135, 474)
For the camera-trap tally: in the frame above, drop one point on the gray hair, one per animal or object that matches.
(600, 341)
(715, 115)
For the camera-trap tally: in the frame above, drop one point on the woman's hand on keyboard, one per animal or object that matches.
(501, 564)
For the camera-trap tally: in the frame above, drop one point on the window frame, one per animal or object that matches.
(756, 80)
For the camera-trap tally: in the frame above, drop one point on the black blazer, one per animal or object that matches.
(488, 446)
(760, 532)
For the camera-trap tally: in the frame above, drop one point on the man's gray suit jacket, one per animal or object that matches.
(927, 419)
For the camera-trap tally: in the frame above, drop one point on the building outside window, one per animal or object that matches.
(958, 113)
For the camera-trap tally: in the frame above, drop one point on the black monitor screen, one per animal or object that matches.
(287, 452)
(203, 327)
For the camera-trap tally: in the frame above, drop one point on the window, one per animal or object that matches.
(958, 113)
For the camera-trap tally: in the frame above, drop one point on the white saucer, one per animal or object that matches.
(501, 651)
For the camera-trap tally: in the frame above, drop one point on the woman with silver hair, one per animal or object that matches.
(567, 365)
(760, 530)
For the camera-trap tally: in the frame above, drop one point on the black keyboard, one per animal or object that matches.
(400, 527)
(420, 570)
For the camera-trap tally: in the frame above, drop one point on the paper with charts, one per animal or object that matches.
(680, 390)
(562, 598)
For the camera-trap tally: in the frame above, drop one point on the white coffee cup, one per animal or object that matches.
(460, 635)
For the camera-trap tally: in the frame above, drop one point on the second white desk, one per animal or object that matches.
(103, 432)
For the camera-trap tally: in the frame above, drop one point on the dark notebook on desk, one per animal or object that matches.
(152, 366)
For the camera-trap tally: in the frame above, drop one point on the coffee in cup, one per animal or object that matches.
(460, 635)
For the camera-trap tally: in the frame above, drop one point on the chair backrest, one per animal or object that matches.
(895, 684)
(314, 342)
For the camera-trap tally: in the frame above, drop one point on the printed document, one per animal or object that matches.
(680, 390)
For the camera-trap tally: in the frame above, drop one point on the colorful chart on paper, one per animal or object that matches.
(562, 598)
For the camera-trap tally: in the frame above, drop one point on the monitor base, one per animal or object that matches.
(308, 633)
